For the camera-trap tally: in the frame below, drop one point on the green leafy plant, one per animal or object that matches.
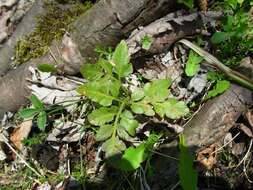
(37, 111)
(187, 174)
(235, 36)
(146, 42)
(193, 64)
(47, 68)
(116, 107)
(220, 84)
(187, 3)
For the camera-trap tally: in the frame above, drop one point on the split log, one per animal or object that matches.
(209, 125)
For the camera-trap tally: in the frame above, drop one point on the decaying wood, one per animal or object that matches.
(26, 26)
(209, 125)
(106, 23)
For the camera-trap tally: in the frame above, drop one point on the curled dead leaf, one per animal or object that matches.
(207, 158)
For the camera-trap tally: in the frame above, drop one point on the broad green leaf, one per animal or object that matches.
(160, 108)
(228, 27)
(192, 65)
(219, 37)
(240, 1)
(110, 85)
(106, 65)
(104, 132)
(146, 42)
(157, 90)
(36, 102)
(137, 95)
(122, 133)
(124, 70)
(120, 55)
(133, 157)
(113, 147)
(102, 115)
(214, 76)
(91, 71)
(233, 3)
(28, 112)
(121, 60)
(188, 3)
(128, 122)
(187, 174)
(42, 120)
(142, 107)
(47, 68)
(220, 87)
(103, 91)
(172, 108)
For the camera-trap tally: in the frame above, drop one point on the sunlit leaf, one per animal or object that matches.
(28, 112)
(157, 90)
(47, 68)
(128, 122)
(122, 133)
(142, 107)
(113, 147)
(137, 95)
(102, 115)
(146, 42)
(42, 120)
(103, 91)
(172, 108)
(36, 102)
(192, 65)
(91, 71)
(121, 60)
(104, 132)
(220, 87)
(133, 157)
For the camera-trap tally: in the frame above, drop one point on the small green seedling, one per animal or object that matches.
(37, 111)
(116, 107)
(146, 42)
(193, 64)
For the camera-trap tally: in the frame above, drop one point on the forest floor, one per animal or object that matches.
(132, 125)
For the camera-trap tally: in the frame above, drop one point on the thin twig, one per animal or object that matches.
(19, 156)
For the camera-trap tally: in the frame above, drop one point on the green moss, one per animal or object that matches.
(50, 26)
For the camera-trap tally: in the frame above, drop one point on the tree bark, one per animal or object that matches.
(28, 23)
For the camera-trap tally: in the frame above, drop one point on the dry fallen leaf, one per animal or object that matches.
(246, 130)
(207, 158)
(20, 133)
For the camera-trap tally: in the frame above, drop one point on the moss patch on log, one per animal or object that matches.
(50, 26)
